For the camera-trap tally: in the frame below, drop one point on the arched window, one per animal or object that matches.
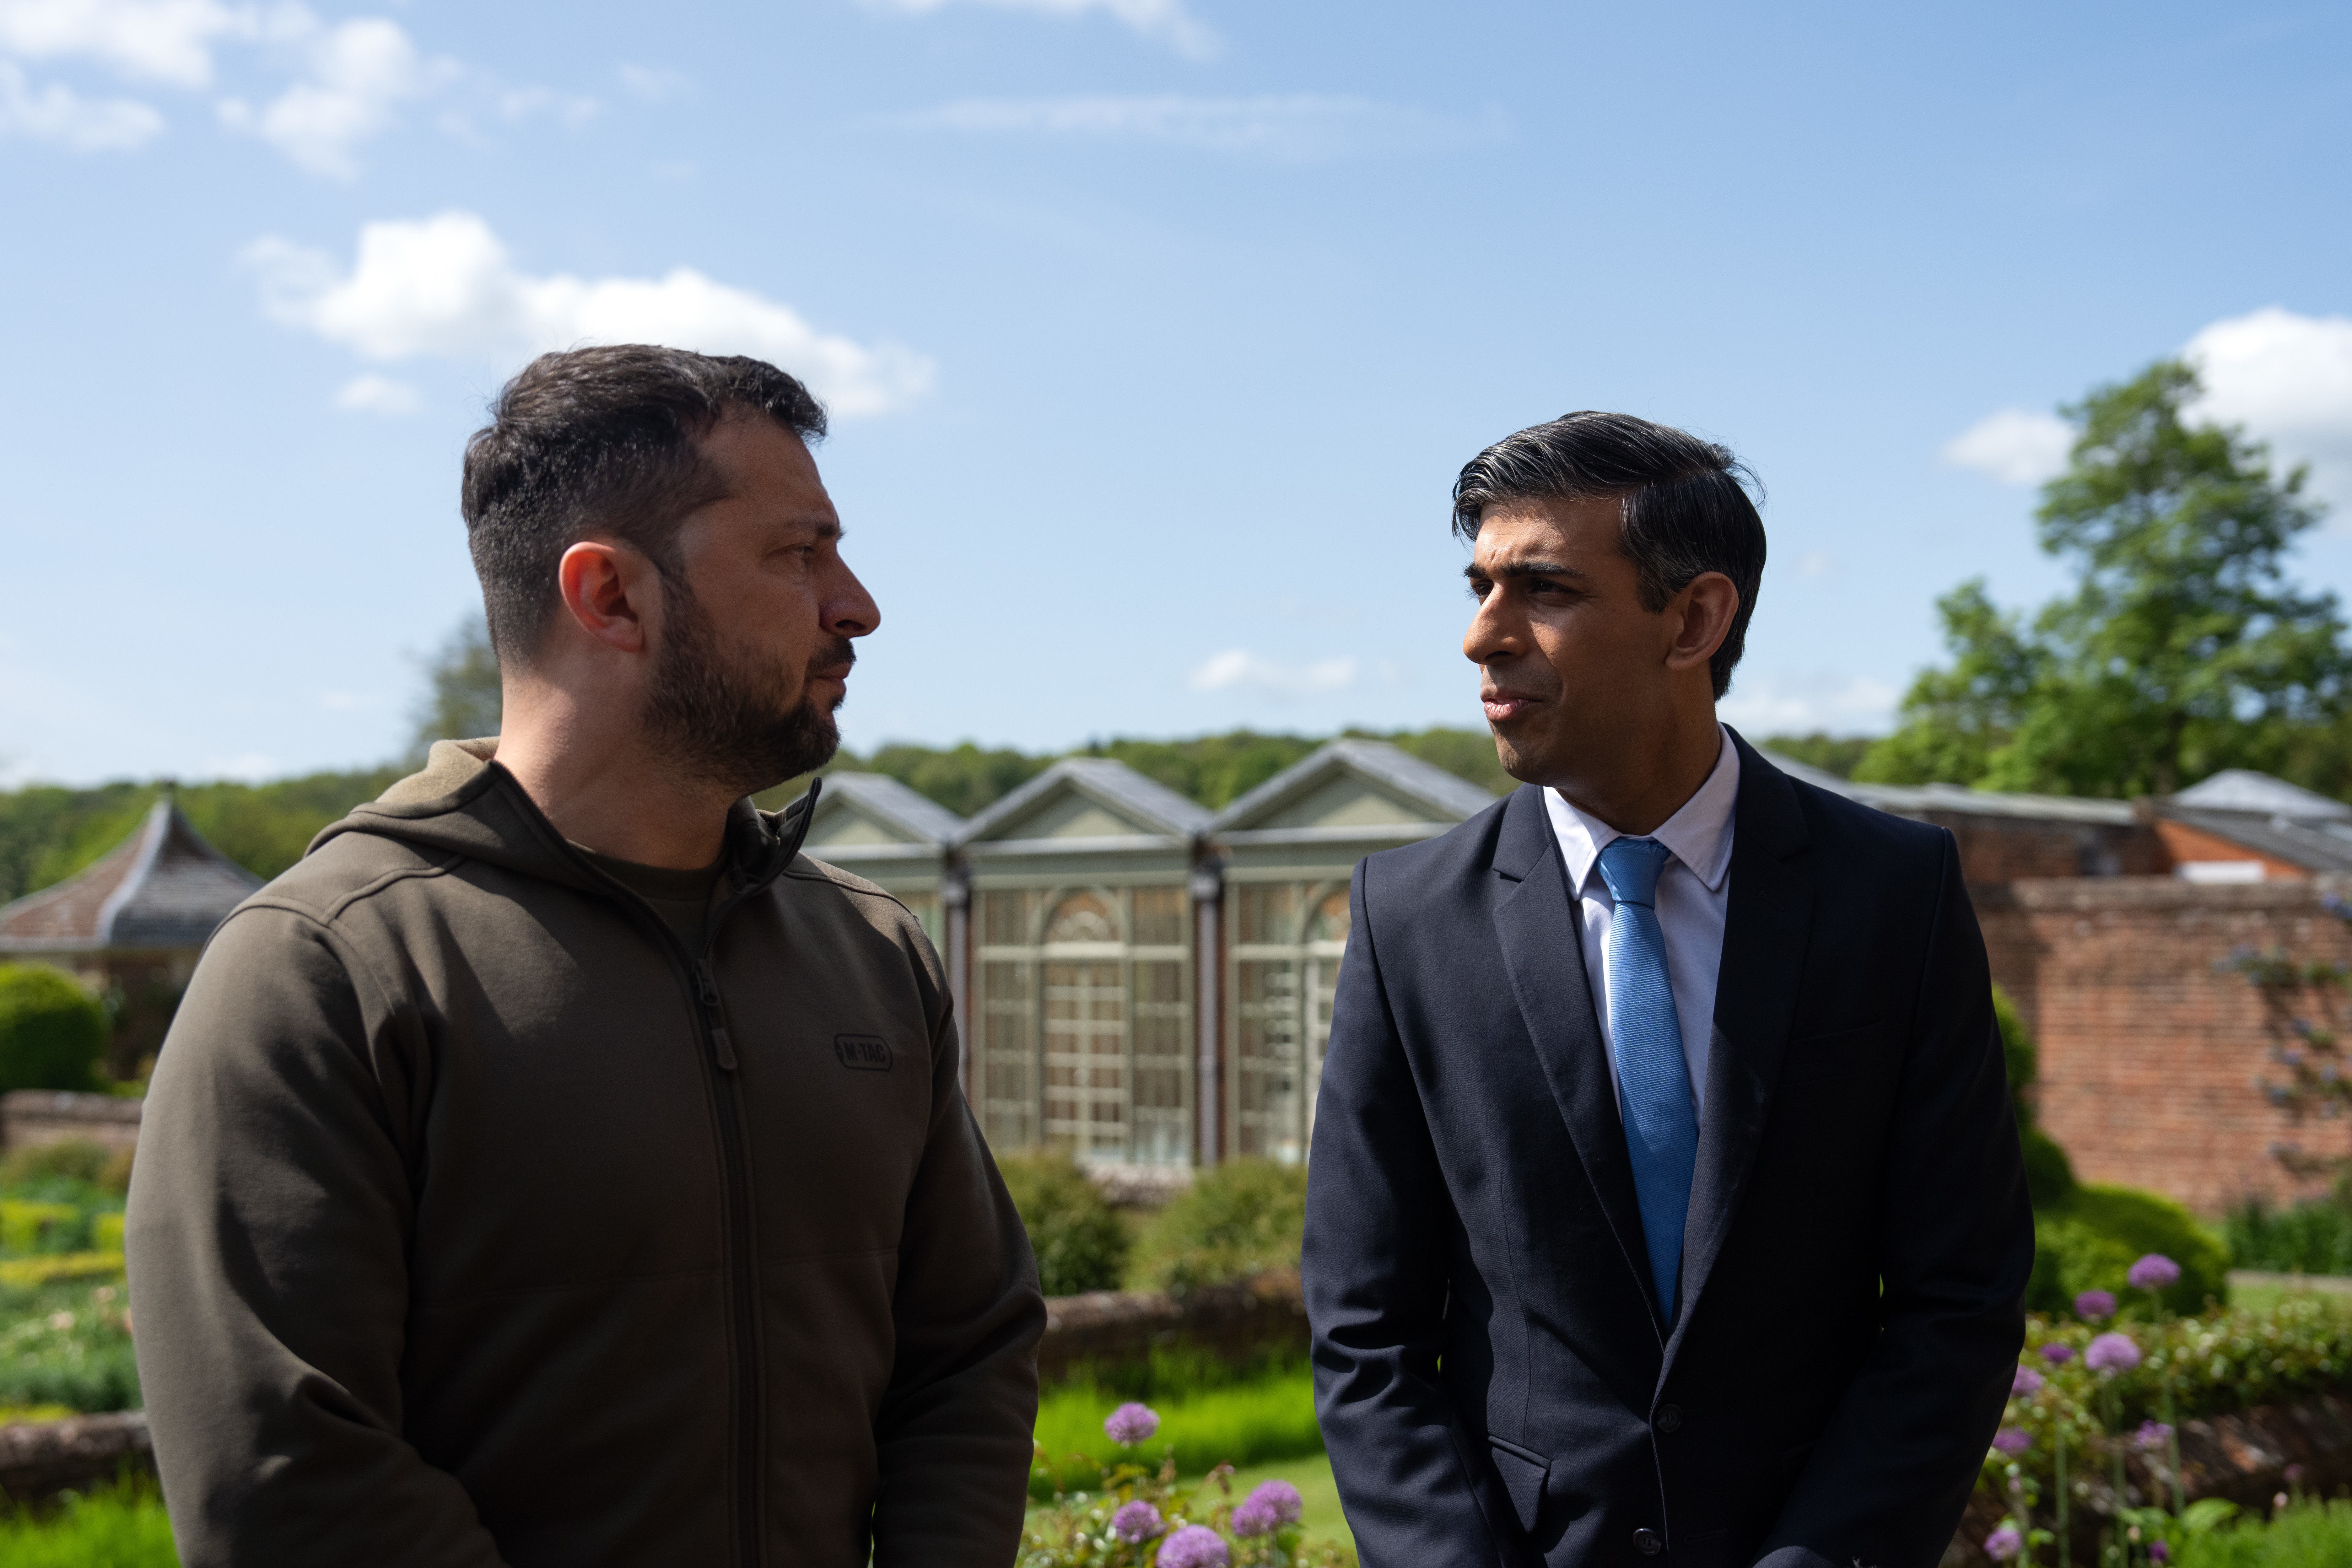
(1287, 941)
(1083, 1022)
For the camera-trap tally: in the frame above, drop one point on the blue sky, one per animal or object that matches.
(1156, 328)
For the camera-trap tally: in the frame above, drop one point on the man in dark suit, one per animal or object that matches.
(1665, 1203)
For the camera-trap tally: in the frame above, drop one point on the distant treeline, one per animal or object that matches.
(48, 833)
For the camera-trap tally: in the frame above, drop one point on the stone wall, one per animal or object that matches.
(31, 1116)
(2149, 1052)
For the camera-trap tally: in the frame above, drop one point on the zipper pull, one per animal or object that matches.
(724, 1047)
(710, 986)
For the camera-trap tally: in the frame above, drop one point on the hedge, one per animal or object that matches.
(2089, 1239)
(52, 1032)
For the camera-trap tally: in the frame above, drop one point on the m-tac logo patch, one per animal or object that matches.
(864, 1053)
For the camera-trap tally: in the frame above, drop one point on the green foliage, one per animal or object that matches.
(54, 1199)
(1838, 754)
(2184, 648)
(1271, 1417)
(2312, 1237)
(1235, 1220)
(2308, 1533)
(462, 698)
(52, 1032)
(2090, 1239)
(2049, 1174)
(67, 1344)
(1080, 1242)
(119, 1526)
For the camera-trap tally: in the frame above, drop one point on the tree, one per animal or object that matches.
(461, 696)
(2185, 647)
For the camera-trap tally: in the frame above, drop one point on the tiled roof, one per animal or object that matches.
(906, 809)
(1447, 796)
(2242, 789)
(162, 888)
(1108, 780)
(1918, 800)
(2322, 847)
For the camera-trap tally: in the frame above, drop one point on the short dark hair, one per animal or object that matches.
(601, 439)
(1683, 501)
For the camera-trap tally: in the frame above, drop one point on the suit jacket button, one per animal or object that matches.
(1670, 1418)
(1648, 1542)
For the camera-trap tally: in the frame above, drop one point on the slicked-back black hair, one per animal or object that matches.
(1684, 506)
(601, 439)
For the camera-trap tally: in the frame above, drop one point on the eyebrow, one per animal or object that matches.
(1511, 569)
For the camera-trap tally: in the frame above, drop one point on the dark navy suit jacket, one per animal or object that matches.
(1494, 1383)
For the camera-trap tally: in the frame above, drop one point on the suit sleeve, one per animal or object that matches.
(954, 1437)
(267, 1236)
(1375, 1267)
(1892, 1472)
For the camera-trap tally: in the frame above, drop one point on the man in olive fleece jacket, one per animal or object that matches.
(504, 1201)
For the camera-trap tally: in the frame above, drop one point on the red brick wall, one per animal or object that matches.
(2004, 848)
(2150, 1055)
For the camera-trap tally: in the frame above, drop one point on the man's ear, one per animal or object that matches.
(609, 591)
(1702, 614)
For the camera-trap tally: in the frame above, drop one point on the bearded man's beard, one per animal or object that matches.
(724, 719)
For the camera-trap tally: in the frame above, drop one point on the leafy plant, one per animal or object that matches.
(1080, 1242)
(52, 1032)
(1235, 1220)
(67, 1344)
(2311, 1237)
(2089, 1239)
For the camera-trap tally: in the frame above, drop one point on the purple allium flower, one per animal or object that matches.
(2026, 1383)
(2152, 1435)
(1254, 1516)
(2158, 1551)
(2294, 1475)
(1281, 1497)
(1130, 1424)
(2011, 1440)
(2154, 1272)
(1195, 1546)
(1137, 1521)
(2004, 1544)
(2112, 1352)
(2057, 1354)
(2096, 1306)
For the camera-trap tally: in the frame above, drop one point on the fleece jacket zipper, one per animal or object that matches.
(742, 1278)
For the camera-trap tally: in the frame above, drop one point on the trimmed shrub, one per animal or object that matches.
(1080, 1242)
(52, 1032)
(2090, 1240)
(2312, 1237)
(77, 1159)
(1235, 1220)
(2049, 1174)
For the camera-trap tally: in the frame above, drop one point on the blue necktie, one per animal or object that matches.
(1661, 1127)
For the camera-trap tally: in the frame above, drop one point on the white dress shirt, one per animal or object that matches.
(1693, 892)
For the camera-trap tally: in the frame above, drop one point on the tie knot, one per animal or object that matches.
(1630, 868)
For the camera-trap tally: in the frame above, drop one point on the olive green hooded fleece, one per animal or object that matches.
(478, 1220)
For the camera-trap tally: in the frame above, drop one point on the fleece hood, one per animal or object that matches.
(463, 803)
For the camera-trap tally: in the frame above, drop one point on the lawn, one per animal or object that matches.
(119, 1526)
(1254, 1422)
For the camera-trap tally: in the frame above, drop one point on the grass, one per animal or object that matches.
(118, 1526)
(1268, 1418)
(2307, 1535)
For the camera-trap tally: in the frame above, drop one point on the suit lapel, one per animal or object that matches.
(1536, 919)
(1766, 929)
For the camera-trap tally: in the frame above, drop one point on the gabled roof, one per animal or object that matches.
(1428, 791)
(1920, 800)
(1148, 809)
(915, 820)
(2322, 847)
(162, 887)
(2242, 789)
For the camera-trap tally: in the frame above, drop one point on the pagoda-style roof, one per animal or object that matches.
(160, 889)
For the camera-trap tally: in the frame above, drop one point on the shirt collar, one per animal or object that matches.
(1698, 835)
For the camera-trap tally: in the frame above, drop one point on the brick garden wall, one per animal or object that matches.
(2148, 1053)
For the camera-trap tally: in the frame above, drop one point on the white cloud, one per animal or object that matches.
(59, 115)
(1297, 128)
(372, 393)
(2287, 378)
(150, 40)
(1762, 705)
(574, 110)
(1238, 670)
(655, 84)
(2014, 446)
(1162, 21)
(445, 286)
(359, 72)
(1817, 563)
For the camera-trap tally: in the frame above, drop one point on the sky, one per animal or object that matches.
(1154, 331)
